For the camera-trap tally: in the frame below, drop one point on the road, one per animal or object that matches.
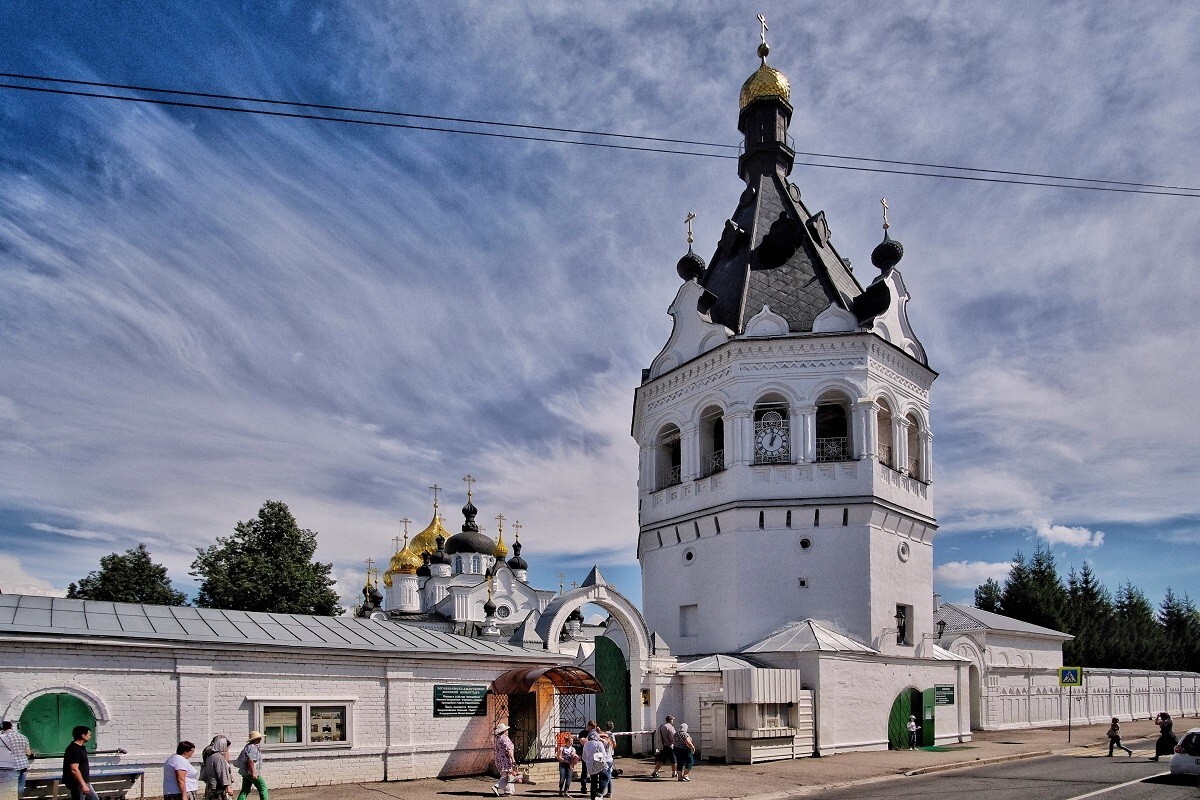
(1048, 778)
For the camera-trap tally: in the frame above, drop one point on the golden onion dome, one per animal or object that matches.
(387, 579)
(765, 82)
(426, 540)
(408, 560)
(501, 551)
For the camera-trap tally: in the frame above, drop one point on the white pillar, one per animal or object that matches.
(741, 438)
(927, 456)
(689, 454)
(900, 444)
(806, 436)
(863, 416)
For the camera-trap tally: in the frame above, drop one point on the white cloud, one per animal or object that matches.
(1072, 537)
(970, 574)
(74, 533)
(14, 579)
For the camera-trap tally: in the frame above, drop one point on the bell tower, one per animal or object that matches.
(785, 446)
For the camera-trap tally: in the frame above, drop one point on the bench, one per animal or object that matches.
(108, 785)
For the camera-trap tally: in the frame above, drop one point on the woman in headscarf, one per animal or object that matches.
(685, 751)
(595, 755)
(1165, 745)
(216, 772)
(506, 762)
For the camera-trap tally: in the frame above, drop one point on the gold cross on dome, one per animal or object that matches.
(396, 541)
(883, 202)
(688, 219)
(500, 519)
(763, 21)
(436, 490)
(469, 480)
(517, 527)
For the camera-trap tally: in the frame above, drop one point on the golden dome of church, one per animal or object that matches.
(426, 540)
(765, 82)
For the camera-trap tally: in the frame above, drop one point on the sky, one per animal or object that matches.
(201, 311)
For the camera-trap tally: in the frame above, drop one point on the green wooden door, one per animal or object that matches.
(613, 704)
(926, 718)
(48, 719)
(907, 703)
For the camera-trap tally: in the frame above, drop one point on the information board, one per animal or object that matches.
(458, 700)
(943, 695)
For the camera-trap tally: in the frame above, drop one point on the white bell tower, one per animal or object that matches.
(784, 428)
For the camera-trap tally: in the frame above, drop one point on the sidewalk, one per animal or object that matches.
(776, 779)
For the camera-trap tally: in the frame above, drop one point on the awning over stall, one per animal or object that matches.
(566, 680)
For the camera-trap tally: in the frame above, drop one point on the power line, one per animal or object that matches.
(1108, 185)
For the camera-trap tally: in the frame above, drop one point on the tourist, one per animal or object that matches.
(250, 767)
(595, 756)
(1165, 745)
(1114, 738)
(685, 752)
(506, 762)
(14, 749)
(216, 772)
(76, 772)
(180, 778)
(583, 764)
(912, 732)
(567, 759)
(610, 748)
(665, 753)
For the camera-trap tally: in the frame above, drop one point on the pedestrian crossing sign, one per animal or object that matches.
(1070, 676)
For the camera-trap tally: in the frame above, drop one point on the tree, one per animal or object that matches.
(988, 596)
(266, 565)
(1089, 617)
(128, 578)
(1137, 638)
(1181, 629)
(1033, 591)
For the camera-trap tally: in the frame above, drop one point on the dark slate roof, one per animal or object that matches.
(774, 252)
(961, 619)
(57, 616)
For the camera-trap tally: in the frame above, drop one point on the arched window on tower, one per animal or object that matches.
(772, 431)
(458, 564)
(712, 441)
(476, 569)
(669, 458)
(883, 431)
(916, 465)
(833, 428)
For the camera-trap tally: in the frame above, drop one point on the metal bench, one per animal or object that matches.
(108, 785)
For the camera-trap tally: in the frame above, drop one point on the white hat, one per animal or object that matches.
(912, 716)
(501, 728)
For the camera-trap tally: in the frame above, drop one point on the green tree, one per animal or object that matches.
(1137, 638)
(128, 578)
(266, 565)
(989, 595)
(1181, 630)
(1033, 591)
(1089, 617)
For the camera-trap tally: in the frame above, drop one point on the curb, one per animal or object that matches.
(979, 762)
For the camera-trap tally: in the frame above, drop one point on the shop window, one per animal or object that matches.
(300, 724)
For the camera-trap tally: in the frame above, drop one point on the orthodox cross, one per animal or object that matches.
(517, 527)
(500, 519)
(560, 582)
(688, 220)
(370, 564)
(883, 202)
(469, 480)
(763, 21)
(436, 489)
(406, 522)
(396, 541)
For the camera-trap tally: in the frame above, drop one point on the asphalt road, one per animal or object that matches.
(1049, 778)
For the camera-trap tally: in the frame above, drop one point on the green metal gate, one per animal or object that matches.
(48, 719)
(906, 704)
(613, 704)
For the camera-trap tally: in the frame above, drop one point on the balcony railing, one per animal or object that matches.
(670, 477)
(833, 448)
(713, 463)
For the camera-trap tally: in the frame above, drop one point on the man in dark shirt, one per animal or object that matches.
(76, 774)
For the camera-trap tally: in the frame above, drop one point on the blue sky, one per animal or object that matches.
(201, 311)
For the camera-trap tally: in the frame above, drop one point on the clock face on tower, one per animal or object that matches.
(771, 440)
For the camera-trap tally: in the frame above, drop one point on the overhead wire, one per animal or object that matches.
(978, 174)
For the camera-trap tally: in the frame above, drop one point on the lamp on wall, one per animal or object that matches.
(901, 618)
(941, 627)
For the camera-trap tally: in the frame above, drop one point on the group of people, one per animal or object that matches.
(1163, 746)
(181, 778)
(594, 753)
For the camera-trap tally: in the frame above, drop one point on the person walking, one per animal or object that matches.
(76, 770)
(216, 772)
(1114, 738)
(1165, 744)
(181, 779)
(685, 752)
(250, 767)
(665, 753)
(610, 748)
(595, 756)
(506, 762)
(567, 758)
(912, 731)
(14, 748)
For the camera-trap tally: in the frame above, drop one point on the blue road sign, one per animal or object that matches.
(1070, 676)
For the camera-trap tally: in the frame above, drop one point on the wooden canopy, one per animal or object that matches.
(567, 680)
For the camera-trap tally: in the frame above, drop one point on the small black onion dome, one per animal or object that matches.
(423, 571)
(576, 614)
(887, 253)
(489, 607)
(439, 556)
(469, 511)
(516, 562)
(470, 542)
(376, 596)
(691, 266)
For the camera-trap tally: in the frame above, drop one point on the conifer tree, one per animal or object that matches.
(988, 596)
(1137, 638)
(1181, 631)
(1089, 617)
